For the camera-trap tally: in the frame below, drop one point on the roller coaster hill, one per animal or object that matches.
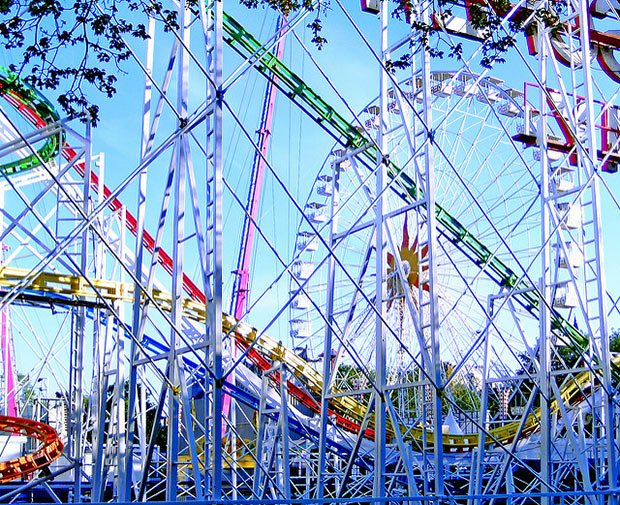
(420, 313)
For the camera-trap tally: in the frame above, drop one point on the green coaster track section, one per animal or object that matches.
(345, 133)
(248, 47)
(33, 106)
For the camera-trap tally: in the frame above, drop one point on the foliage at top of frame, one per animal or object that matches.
(79, 47)
(497, 26)
(74, 47)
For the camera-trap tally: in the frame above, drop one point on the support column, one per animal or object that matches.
(180, 173)
(544, 344)
(132, 412)
(78, 322)
(596, 296)
(214, 250)
(380, 266)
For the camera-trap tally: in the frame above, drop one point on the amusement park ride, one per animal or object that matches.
(446, 307)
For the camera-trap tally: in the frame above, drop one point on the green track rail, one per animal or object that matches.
(344, 132)
(338, 127)
(25, 98)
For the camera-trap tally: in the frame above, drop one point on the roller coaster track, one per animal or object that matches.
(34, 107)
(344, 132)
(50, 450)
(261, 349)
(349, 411)
(37, 109)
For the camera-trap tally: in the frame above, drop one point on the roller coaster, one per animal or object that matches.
(472, 361)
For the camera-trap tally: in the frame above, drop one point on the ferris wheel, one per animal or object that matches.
(485, 181)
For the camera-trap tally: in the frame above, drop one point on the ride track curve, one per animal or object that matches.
(260, 349)
(348, 411)
(50, 450)
(40, 113)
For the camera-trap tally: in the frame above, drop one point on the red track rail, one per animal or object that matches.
(165, 260)
(197, 294)
(148, 241)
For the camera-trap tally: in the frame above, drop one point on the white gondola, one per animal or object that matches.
(340, 158)
(509, 109)
(300, 301)
(565, 296)
(307, 241)
(554, 156)
(300, 328)
(325, 186)
(442, 88)
(371, 6)
(564, 177)
(373, 122)
(573, 256)
(569, 215)
(393, 107)
(487, 95)
(316, 212)
(302, 270)
(466, 87)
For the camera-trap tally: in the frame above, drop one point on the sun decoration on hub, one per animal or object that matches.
(410, 259)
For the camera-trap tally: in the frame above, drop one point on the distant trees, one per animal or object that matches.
(26, 390)
(466, 396)
(464, 391)
(614, 340)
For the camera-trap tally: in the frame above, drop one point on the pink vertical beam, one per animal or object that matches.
(7, 363)
(242, 281)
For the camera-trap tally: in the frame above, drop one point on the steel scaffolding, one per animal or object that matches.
(446, 323)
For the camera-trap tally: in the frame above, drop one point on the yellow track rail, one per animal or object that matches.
(571, 393)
